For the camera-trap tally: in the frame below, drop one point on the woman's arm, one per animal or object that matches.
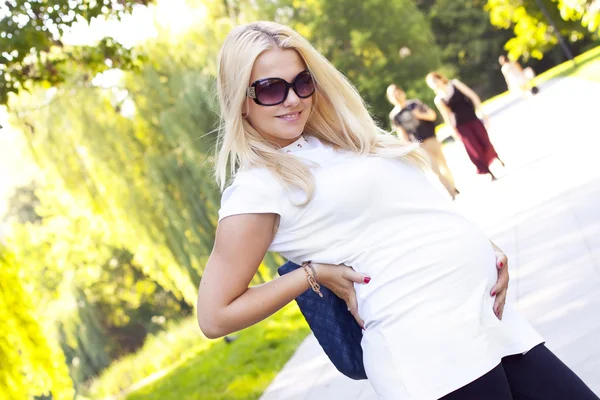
(475, 99)
(446, 113)
(225, 302)
(424, 113)
(469, 93)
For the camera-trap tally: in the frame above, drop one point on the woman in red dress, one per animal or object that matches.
(457, 104)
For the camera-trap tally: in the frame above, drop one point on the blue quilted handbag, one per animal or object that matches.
(333, 325)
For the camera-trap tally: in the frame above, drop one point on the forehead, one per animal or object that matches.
(277, 63)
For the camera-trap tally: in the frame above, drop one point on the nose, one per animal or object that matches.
(292, 99)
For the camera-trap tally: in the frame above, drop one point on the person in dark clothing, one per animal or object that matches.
(414, 121)
(458, 104)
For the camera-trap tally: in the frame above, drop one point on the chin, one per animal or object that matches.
(290, 133)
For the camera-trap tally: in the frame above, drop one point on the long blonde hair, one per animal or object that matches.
(338, 117)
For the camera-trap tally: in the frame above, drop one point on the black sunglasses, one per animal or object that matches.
(273, 91)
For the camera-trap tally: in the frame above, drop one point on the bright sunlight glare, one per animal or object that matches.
(172, 16)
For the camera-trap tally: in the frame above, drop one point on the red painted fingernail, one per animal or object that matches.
(367, 279)
(493, 293)
(500, 264)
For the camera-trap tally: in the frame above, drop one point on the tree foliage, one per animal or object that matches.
(363, 39)
(97, 302)
(32, 50)
(469, 43)
(534, 35)
(32, 365)
(123, 218)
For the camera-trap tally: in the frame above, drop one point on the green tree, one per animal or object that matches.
(33, 52)
(147, 171)
(363, 39)
(469, 43)
(96, 299)
(133, 188)
(534, 35)
(32, 365)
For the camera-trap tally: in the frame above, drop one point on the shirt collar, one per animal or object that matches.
(300, 144)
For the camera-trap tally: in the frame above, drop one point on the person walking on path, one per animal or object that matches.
(458, 105)
(516, 78)
(315, 179)
(415, 121)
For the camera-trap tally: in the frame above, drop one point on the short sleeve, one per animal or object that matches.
(251, 192)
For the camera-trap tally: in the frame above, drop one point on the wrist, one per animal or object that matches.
(318, 271)
(323, 273)
(311, 276)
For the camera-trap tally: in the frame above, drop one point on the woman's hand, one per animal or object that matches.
(500, 288)
(340, 280)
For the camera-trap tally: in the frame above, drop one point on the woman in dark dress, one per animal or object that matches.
(458, 104)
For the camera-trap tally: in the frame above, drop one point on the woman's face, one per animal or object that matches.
(400, 95)
(434, 83)
(282, 123)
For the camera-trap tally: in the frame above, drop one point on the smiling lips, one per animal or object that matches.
(291, 117)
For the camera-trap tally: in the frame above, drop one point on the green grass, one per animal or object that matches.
(586, 66)
(161, 351)
(194, 367)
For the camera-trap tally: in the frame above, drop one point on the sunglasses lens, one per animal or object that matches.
(304, 86)
(271, 91)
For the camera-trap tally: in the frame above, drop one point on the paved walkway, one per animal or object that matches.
(544, 213)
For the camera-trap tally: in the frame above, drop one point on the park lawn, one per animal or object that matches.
(586, 66)
(207, 369)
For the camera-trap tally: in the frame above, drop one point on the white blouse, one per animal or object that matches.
(430, 327)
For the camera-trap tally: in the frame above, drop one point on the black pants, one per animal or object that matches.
(537, 375)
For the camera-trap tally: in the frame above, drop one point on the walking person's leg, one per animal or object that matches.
(488, 151)
(540, 375)
(491, 386)
(433, 149)
(477, 152)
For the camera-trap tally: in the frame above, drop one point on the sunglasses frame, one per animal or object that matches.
(251, 91)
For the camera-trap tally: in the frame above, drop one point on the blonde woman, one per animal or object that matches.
(414, 121)
(315, 179)
(458, 104)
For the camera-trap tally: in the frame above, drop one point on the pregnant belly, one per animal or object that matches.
(446, 277)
